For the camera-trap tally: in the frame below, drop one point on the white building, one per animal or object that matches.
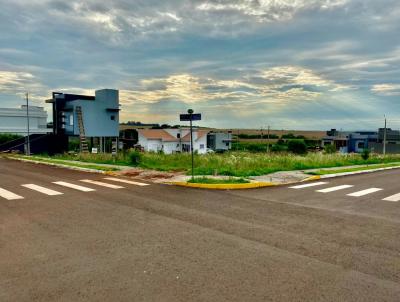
(172, 140)
(13, 120)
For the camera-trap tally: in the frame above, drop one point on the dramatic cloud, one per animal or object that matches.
(386, 89)
(297, 63)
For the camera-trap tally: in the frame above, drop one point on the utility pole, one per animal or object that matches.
(28, 143)
(268, 140)
(384, 138)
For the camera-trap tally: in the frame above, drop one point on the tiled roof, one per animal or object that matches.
(157, 134)
(200, 134)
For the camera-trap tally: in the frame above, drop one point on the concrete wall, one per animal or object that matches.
(390, 148)
(13, 120)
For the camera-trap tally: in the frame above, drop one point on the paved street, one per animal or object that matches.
(76, 236)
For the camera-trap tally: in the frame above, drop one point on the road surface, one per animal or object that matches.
(76, 236)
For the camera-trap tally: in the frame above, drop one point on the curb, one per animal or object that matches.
(111, 173)
(252, 185)
(317, 177)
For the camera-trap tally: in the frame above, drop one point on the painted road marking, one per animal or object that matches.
(127, 181)
(42, 189)
(73, 186)
(9, 195)
(333, 189)
(103, 184)
(313, 184)
(364, 192)
(394, 198)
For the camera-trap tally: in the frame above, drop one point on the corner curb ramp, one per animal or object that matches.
(252, 185)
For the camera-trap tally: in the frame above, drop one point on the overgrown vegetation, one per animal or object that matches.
(240, 164)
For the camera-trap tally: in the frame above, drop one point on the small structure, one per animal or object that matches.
(219, 141)
(14, 120)
(95, 117)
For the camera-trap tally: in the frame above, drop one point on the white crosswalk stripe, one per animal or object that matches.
(364, 192)
(127, 181)
(333, 189)
(102, 184)
(394, 198)
(73, 186)
(41, 189)
(313, 184)
(9, 195)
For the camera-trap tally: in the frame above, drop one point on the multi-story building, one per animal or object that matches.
(15, 121)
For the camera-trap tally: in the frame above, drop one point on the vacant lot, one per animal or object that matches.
(239, 164)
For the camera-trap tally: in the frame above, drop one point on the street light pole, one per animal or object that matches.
(28, 144)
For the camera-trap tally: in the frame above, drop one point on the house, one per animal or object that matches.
(95, 117)
(14, 120)
(350, 142)
(172, 140)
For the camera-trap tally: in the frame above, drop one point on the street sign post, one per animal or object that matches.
(191, 116)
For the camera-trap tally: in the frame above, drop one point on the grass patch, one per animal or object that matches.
(207, 180)
(355, 169)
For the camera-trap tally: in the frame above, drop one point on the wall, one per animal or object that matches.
(96, 118)
(390, 148)
(13, 120)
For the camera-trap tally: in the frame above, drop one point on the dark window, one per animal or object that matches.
(178, 135)
(113, 117)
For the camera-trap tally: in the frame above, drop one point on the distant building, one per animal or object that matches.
(178, 140)
(357, 141)
(14, 120)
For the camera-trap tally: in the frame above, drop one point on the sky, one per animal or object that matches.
(289, 64)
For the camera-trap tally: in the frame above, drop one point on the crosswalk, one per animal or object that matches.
(355, 194)
(89, 186)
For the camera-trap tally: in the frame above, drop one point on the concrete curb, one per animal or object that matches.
(316, 177)
(111, 173)
(252, 185)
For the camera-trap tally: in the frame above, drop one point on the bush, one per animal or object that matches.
(5, 138)
(329, 149)
(134, 157)
(297, 147)
(365, 154)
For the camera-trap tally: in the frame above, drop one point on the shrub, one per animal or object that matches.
(134, 157)
(297, 147)
(329, 149)
(365, 154)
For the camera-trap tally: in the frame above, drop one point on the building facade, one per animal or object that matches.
(14, 120)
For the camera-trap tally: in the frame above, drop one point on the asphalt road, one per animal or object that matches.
(163, 243)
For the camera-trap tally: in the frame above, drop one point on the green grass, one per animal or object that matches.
(355, 169)
(239, 164)
(207, 180)
(66, 163)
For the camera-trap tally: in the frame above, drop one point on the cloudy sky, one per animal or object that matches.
(291, 64)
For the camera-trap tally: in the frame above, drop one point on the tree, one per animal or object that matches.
(297, 147)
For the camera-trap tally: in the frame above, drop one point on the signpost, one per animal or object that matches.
(191, 117)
